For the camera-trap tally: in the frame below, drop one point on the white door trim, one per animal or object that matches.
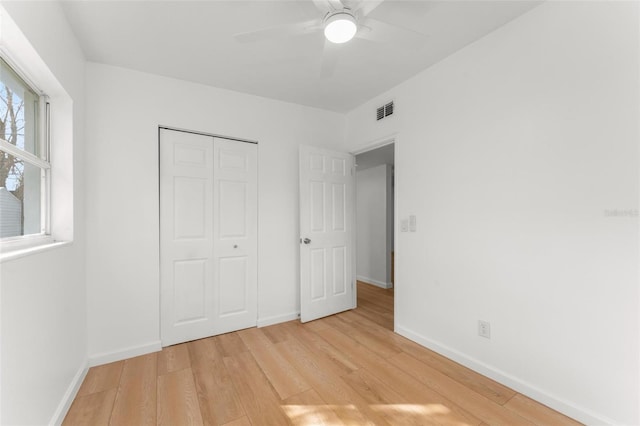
(196, 132)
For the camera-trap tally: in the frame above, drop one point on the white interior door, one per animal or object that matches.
(208, 236)
(327, 258)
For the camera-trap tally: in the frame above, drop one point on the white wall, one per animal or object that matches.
(373, 249)
(511, 153)
(43, 301)
(124, 110)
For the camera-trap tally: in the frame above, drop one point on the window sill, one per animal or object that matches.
(7, 254)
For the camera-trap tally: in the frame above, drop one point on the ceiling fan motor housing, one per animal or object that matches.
(340, 26)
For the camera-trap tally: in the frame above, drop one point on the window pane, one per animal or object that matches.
(20, 197)
(19, 108)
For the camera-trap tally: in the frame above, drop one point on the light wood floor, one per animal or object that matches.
(346, 369)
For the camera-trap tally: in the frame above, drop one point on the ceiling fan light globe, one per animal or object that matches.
(340, 27)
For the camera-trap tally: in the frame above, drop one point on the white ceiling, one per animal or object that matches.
(194, 41)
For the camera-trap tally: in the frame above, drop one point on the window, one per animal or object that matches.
(24, 157)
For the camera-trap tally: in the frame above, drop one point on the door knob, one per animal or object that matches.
(306, 241)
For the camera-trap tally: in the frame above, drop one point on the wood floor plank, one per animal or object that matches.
(379, 306)
(372, 389)
(318, 324)
(538, 413)
(136, 398)
(375, 342)
(101, 378)
(285, 379)
(308, 408)
(379, 320)
(325, 380)
(398, 380)
(178, 400)
(376, 310)
(230, 344)
(479, 383)
(173, 358)
(376, 299)
(315, 343)
(203, 353)
(481, 407)
(93, 409)
(218, 398)
(277, 333)
(260, 402)
(242, 421)
(374, 294)
(396, 409)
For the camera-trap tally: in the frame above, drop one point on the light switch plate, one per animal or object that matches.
(404, 225)
(412, 223)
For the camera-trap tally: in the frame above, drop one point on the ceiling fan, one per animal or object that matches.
(341, 21)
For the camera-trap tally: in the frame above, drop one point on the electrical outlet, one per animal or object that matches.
(404, 225)
(484, 329)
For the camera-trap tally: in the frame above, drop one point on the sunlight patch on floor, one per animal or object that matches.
(415, 409)
(309, 415)
(320, 414)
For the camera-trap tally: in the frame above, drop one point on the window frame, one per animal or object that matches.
(43, 162)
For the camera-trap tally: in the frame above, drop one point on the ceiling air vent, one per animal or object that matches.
(384, 111)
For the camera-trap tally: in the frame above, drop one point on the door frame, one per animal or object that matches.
(394, 138)
(197, 132)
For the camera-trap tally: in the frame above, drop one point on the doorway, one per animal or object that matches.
(375, 233)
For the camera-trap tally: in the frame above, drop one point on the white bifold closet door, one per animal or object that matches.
(208, 236)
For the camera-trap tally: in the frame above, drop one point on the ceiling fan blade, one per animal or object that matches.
(279, 31)
(322, 5)
(329, 59)
(368, 6)
(381, 32)
(336, 4)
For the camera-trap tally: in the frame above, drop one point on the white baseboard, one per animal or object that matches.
(277, 319)
(572, 410)
(69, 395)
(107, 357)
(371, 281)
